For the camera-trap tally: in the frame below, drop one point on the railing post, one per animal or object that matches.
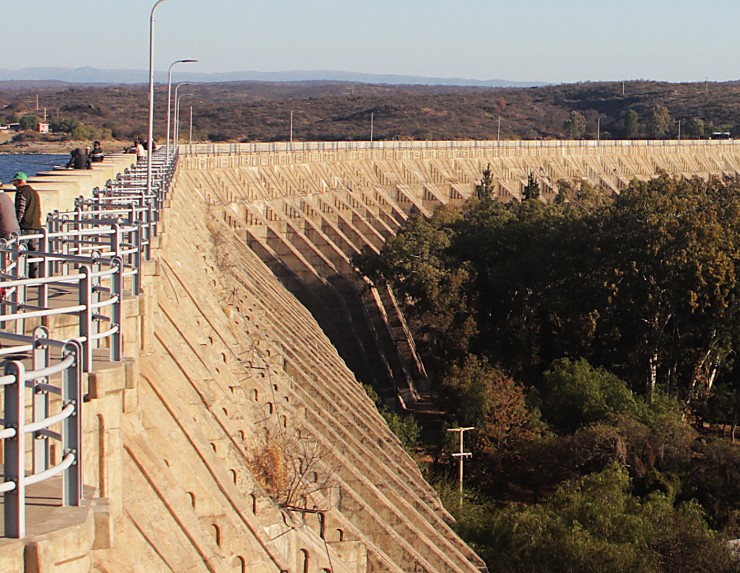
(15, 462)
(115, 241)
(40, 400)
(72, 430)
(86, 326)
(116, 343)
(137, 257)
(21, 270)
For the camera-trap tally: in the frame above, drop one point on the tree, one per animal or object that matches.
(485, 187)
(575, 125)
(482, 396)
(694, 128)
(575, 394)
(596, 523)
(670, 250)
(64, 125)
(531, 189)
(659, 123)
(28, 122)
(435, 287)
(631, 124)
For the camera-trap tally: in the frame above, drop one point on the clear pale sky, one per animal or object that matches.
(518, 40)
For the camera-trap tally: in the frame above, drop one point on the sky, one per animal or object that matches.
(517, 40)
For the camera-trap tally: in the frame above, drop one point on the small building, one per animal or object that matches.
(42, 128)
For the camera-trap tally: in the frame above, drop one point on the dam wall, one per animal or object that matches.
(235, 435)
(306, 209)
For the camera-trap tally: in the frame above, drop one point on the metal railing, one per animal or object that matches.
(205, 149)
(17, 383)
(85, 261)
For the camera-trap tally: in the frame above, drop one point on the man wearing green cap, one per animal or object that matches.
(28, 213)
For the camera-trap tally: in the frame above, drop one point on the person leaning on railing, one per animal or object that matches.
(28, 213)
(8, 220)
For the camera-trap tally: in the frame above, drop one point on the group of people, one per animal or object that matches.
(23, 217)
(84, 159)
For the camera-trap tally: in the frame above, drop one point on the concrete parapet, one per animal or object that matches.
(59, 189)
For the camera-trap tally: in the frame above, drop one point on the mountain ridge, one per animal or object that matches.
(90, 75)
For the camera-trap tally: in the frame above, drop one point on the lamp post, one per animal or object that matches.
(169, 101)
(151, 101)
(177, 114)
(190, 138)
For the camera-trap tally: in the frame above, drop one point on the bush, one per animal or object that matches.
(575, 394)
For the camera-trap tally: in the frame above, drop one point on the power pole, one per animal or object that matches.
(461, 456)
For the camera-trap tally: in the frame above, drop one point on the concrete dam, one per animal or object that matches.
(234, 435)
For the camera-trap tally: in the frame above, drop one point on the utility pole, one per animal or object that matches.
(461, 456)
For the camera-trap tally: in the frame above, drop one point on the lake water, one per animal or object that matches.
(31, 164)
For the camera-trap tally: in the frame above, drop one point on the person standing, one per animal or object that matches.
(28, 213)
(140, 151)
(8, 220)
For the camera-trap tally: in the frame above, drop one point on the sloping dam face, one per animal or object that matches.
(251, 446)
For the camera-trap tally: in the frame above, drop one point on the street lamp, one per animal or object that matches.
(151, 101)
(169, 101)
(190, 139)
(177, 113)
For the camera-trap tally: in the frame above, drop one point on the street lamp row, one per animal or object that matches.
(169, 100)
(150, 135)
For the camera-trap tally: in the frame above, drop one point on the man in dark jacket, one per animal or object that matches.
(28, 213)
(79, 160)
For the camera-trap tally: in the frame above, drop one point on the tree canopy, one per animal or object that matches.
(580, 337)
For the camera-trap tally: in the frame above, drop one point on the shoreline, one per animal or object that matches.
(55, 147)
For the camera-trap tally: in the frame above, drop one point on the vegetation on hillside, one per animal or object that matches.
(590, 342)
(261, 111)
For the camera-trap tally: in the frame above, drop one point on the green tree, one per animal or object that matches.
(631, 124)
(28, 122)
(434, 286)
(694, 128)
(575, 394)
(575, 126)
(531, 189)
(64, 125)
(669, 312)
(659, 123)
(485, 187)
(596, 523)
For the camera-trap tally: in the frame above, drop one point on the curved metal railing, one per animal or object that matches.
(85, 261)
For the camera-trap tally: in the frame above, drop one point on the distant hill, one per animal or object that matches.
(88, 75)
(341, 111)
